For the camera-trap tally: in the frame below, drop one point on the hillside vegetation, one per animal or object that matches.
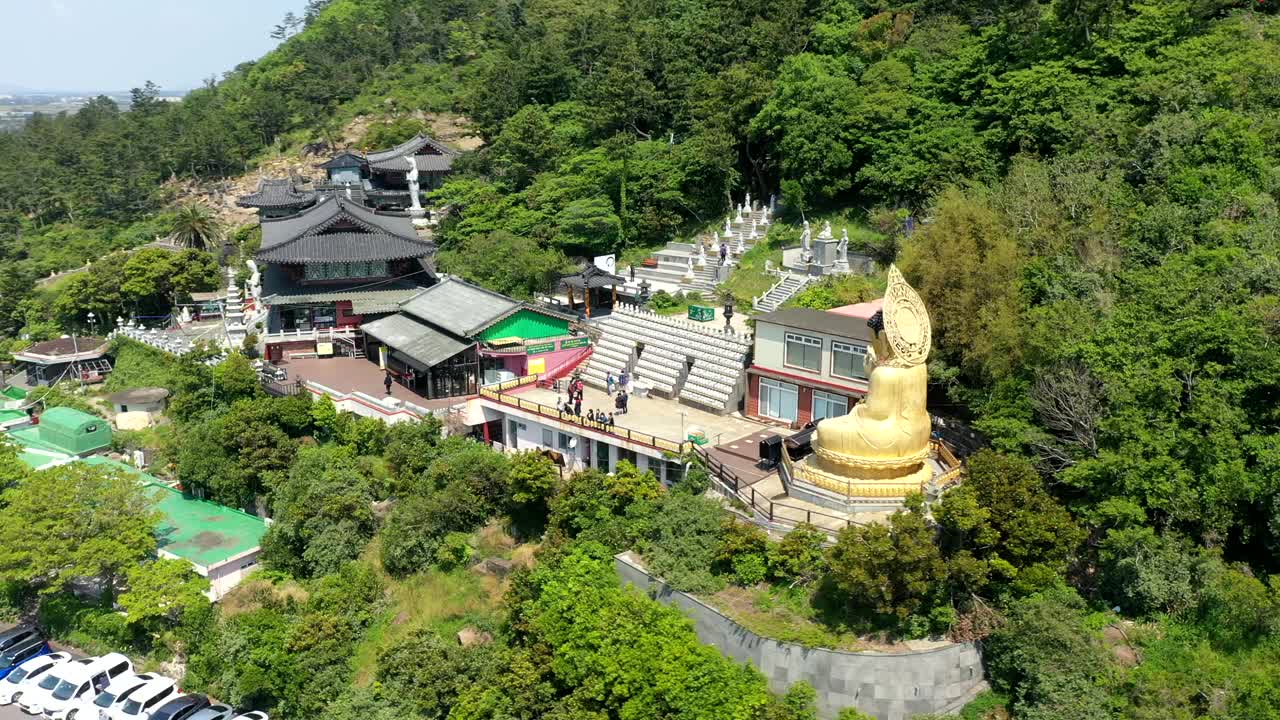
(1093, 188)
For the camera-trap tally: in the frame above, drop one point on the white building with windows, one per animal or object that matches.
(808, 365)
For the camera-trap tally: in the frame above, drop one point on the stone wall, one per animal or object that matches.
(886, 686)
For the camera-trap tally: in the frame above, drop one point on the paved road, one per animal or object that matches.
(11, 712)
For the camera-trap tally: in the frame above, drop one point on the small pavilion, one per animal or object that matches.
(591, 282)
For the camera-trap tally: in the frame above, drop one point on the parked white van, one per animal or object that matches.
(25, 676)
(120, 689)
(73, 681)
(143, 701)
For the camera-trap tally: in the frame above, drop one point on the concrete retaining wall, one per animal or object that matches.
(888, 687)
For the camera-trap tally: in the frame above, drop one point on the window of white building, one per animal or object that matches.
(804, 352)
(827, 405)
(779, 400)
(848, 361)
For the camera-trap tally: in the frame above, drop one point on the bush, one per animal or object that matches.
(799, 557)
(749, 569)
(454, 551)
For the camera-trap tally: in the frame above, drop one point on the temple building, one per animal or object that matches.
(334, 265)
(276, 198)
(451, 338)
(383, 178)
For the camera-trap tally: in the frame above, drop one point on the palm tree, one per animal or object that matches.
(195, 226)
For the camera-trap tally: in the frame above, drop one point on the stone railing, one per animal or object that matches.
(887, 686)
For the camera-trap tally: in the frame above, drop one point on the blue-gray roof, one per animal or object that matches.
(423, 344)
(315, 235)
(459, 307)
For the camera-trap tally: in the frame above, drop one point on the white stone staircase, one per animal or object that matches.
(675, 358)
(675, 261)
(783, 290)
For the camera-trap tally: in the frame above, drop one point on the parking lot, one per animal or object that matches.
(11, 712)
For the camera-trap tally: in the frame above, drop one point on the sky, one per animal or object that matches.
(120, 44)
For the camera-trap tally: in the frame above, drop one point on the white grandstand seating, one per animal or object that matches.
(679, 359)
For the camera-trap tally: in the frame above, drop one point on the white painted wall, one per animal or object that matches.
(770, 353)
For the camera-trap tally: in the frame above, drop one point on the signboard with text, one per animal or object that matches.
(539, 348)
(701, 313)
(574, 343)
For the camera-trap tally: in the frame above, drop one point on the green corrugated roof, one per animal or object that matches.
(203, 532)
(30, 437)
(14, 393)
(68, 419)
(526, 324)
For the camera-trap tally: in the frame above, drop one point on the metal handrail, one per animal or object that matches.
(760, 506)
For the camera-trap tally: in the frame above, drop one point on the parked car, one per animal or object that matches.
(20, 652)
(76, 679)
(253, 715)
(214, 712)
(180, 708)
(143, 701)
(120, 689)
(26, 675)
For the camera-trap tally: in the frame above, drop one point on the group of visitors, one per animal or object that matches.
(621, 398)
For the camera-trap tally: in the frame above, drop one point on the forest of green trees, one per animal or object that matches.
(1094, 187)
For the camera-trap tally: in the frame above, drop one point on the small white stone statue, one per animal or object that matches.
(738, 220)
(826, 231)
(747, 202)
(728, 227)
(742, 243)
(702, 254)
(415, 209)
(773, 202)
(688, 273)
(842, 250)
(754, 234)
(805, 235)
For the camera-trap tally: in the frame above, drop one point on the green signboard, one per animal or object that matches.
(702, 313)
(574, 343)
(539, 348)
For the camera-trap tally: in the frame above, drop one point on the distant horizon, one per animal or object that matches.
(84, 47)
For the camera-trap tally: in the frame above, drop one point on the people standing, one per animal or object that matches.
(724, 253)
(623, 381)
(626, 399)
(386, 382)
(577, 405)
(610, 380)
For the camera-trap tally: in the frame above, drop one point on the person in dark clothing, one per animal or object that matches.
(619, 401)
(386, 381)
(577, 406)
(625, 400)
(724, 253)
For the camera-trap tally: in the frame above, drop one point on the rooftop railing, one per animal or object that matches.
(498, 393)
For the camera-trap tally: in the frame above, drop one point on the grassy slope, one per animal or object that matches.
(443, 602)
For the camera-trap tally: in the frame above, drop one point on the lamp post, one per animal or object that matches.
(644, 292)
(728, 313)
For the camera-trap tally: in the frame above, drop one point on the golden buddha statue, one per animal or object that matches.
(881, 448)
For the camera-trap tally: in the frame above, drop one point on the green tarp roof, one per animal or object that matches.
(203, 532)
